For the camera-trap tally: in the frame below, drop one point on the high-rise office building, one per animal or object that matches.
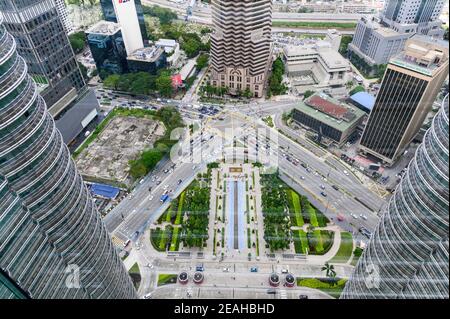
(422, 15)
(108, 49)
(407, 256)
(408, 91)
(43, 43)
(241, 44)
(62, 11)
(377, 39)
(109, 14)
(53, 243)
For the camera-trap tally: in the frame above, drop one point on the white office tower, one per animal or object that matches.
(418, 16)
(377, 39)
(64, 16)
(128, 20)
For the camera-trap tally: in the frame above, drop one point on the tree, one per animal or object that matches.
(164, 85)
(357, 89)
(77, 41)
(330, 272)
(307, 94)
(112, 81)
(202, 61)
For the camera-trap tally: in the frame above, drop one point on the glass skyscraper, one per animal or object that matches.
(53, 243)
(110, 15)
(407, 256)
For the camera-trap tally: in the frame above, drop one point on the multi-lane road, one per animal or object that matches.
(143, 206)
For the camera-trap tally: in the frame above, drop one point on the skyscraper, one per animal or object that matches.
(62, 11)
(240, 44)
(43, 43)
(407, 256)
(402, 15)
(408, 91)
(109, 14)
(377, 39)
(53, 243)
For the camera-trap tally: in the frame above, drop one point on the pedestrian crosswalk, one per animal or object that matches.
(283, 294)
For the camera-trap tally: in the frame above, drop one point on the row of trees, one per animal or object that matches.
(196, 206)
(274, 206)
(141, 83)
(276, 87)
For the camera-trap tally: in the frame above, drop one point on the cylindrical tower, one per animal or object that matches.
(407, 256)
(240, 44)
(53, 243)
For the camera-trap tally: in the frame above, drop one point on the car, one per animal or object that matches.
(302, 297)
(322, 186)
(180, 181)
(147, 296)
(166, 171)
(254, 269)
(271, 291)
(363, 216)
(284, 271)
(194, 167)
(158, 182)
(199, 267)
(164, 198)
(126, 243)
(150, 189)
(302, 177)
(226, 269)
(340, 217)
(335, 187)
(323, 194)
(354, 216)
(150, 198)
(346, 173)
(141, 181)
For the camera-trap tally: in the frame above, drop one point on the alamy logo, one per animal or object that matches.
(372, 278)
(73, 276)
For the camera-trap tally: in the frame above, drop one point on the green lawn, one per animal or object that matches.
(135, 275)
(165, 279)
(318, 24)
(249, 238)
(300, 241)
(175, 244)
(180, 209)
(155, 238)
(324, 285)
(345, 249)
(297, 208)
(312, 217)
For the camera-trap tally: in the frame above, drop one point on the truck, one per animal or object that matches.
(164, 198)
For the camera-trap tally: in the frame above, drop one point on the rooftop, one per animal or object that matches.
(148, 54)
(104, 27)
(166, 43)
(330, 112)
(364, 99)
(105, 191)
(323, 49)
(423, 54)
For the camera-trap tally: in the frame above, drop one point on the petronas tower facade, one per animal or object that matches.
(53, 243)
(407, 256)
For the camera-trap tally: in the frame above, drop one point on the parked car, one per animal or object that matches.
(323, 194)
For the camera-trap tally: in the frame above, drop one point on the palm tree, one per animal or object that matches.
(330, 272)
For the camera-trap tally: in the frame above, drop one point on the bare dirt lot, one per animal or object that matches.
(121, 140)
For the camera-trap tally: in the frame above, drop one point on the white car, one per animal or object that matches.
(302, 177)
(354, 216)
(147, 296)
(150, 198)
(363, 216)
(346, 173)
